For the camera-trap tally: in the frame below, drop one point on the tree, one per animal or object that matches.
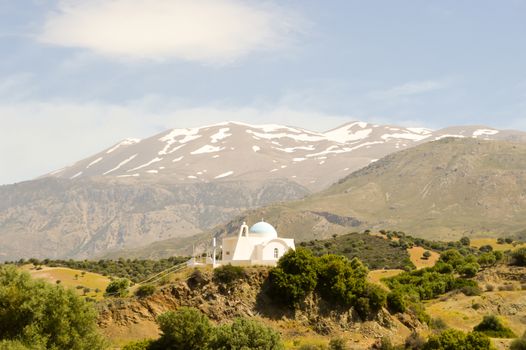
(396, 302)
(44, 315)
(426, 255)
(469, 270)
(294, 277)
(465, 241)
(145, 290)
(245, 334)
(493, 327)
(341, 279)
(118, 288)
(184, 329)
(519, 257)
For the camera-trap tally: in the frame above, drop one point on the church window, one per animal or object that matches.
(276, 253)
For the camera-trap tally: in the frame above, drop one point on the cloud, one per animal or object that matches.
(409, 89)
(39, 137)
(208, 31)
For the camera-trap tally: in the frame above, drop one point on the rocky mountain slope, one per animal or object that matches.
(185, 181)
(440, 190)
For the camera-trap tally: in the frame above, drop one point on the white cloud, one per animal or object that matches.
(39, 137)
(210, 31)
(409, 89)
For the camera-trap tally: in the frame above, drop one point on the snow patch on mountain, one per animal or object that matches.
(207, 149)
(94, 162)
(484, 132)
(120, 164)
(220, 176)
(220, 135)
(125, 142)
(155, 160)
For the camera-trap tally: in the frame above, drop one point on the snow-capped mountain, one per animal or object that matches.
(239, 151)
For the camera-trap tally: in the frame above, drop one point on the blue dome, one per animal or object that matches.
(263, 228)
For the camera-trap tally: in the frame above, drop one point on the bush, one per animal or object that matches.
(43, 315)
(338, 344)
(184, 329)
(245, 334)
(139, 345)
(118, 288)
(396, 302)
(465, 241)
(469, 270)
(493, 327)
(145, 290)
(453, 339)
(426, 255)
(519, 257)
(341, 280)
(228, 274)
(294, 277)
(414, 341)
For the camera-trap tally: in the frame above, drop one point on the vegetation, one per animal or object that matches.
(189, 329)
(118, 288)
(519, 257)
(335, 278)
(145, 290)
(228, 274)
(135, 270)
(409, 288)
(493, 327)
(245, 334)
(294, 277)
(184, 329)
(40, 315)
(375, 252)
(452, 339)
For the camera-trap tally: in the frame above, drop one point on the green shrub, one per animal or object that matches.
(396, 302)
(43, 315)
(184, 329)
(469, 269)
(453, 339)
(245, 334)
(145, 344)
(145, 290)
(340, 280)
(294, 277)
(493, 327)
(338, 344)
(13, 345)
(519, 257)
(118, 288)
(228, 274)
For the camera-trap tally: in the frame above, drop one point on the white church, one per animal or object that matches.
(257, 245)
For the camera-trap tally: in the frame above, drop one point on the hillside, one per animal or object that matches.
(440, 190)
(186, 181)
(56, 218)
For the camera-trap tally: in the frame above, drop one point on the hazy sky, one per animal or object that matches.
(77, 76)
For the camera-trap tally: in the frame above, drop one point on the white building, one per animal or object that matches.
(259, 245)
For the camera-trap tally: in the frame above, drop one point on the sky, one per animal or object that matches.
(78, 76)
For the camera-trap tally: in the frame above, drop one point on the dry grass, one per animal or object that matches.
(70, 278)
(457, 310)
(416, 254)
(376, 276)
(479, 242)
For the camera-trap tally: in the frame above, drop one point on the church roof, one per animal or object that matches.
(263, 228)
